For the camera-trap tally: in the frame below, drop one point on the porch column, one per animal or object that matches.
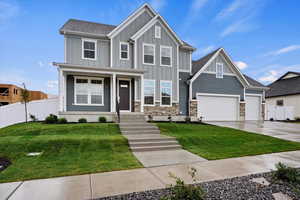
(113, 93)
(61, 89)
(142, 93)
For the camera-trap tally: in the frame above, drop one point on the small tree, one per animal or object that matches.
(24, 99)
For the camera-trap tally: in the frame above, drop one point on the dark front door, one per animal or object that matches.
(124, 95)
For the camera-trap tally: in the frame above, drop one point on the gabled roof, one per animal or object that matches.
(283, 87)
(253, 82)
(198, 64)
(80, 26)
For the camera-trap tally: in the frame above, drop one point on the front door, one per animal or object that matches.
(124, 95)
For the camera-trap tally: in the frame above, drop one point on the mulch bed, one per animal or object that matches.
(4, 163)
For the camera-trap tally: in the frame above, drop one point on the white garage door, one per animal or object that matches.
(252, 107)
(218, 108)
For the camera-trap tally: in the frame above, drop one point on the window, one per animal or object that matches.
(166, 93)
(124, 51)
(157, 31)
(279, 102)
(88, 91)
(149, 92)
(165, 56)
(4, 91)
(149, 54)
(89, 49)
(219, 70)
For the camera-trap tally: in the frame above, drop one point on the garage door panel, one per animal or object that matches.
(252, 107)
(218, 108)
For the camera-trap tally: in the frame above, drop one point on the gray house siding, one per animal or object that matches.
(74, 52)
(184, 60)
(208, 83)
(124, 36)
(157, 72)
(219, 59)
(70, 97)
(183, 93)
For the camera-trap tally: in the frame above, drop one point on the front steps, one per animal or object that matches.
(143, 136)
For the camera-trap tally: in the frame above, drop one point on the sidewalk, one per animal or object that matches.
(127, 181)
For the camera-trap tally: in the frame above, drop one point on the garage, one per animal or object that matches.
(253, 110)
(213, 107)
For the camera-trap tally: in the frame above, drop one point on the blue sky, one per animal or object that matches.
(261, 36)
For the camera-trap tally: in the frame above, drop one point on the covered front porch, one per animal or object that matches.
(90, 92)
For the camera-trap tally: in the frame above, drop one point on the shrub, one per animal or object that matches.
(187, 120)
(51, 119)
(181, 190)
(297, 118)
(170, 118)
(150, 118)
(102, 119)
(287, 119)
(82, 120)
(271, 119)
(286, 173)
(62, 120)
(33, 118)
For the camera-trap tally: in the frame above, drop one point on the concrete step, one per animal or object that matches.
(141, 132)
(140, 128)
(148, 137)
(126, 124)
(152, 143)
(133, 121)
(155, 148)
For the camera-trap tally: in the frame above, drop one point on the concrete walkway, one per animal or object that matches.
(127, 181)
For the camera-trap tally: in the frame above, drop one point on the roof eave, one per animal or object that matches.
(67, 32)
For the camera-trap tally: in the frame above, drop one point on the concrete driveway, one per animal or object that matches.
(283, 130)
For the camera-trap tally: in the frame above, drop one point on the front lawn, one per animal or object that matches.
(214, 142)
(68, 149)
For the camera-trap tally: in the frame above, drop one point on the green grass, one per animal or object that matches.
(213, 142)
(68, 149)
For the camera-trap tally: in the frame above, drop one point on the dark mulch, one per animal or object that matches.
(4, 163)
(239, 188)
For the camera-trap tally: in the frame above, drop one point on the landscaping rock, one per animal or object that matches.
(281, 196)
(261, 181)
(4, 163)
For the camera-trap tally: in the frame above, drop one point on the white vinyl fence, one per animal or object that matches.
(15, 113)
(279, 112)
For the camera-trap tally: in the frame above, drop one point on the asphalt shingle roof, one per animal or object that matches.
(253, 82)
(283, 87)
(86, 27)
(198, 64)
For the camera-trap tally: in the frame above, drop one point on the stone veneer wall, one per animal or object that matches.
(137, 106)
(193, 108)
(158, 110)
(242, 111)
(263, 111)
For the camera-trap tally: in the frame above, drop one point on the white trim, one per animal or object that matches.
(224, 74)
(100, 72)
(153, 80)
(222, 70)
(89, 78)
(120, 51)
(111, 52)
(157, 29)
(166, 81)
(131, 18)
(152, 45)
(118, 94)
(142, 93)
(111, 94)
(135, 55)
(184, 70)
(171, 57)
(82, 48)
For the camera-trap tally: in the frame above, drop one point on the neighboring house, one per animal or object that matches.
(285, 92)
(12, 94)
(143, 66)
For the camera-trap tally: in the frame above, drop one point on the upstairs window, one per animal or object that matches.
(166, 93)
(157, 32)
(149, 54)
(124, 51)
(165, 56)
(89, 49)
(88, 91)
(219, 70)
(279, 102)
(149, 92)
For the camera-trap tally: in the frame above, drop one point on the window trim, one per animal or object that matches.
(82, 48)
(219, 64)
(120, 49)
(160, 51)
(152, 45)
(278, 100)
(153, 80)
(89, 95)
(166, 81)
(157, 28)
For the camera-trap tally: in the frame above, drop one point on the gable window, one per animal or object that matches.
(149, 92)
(165, 56)
(219, 70)
(166, 93)
(149, 54)
(157, 32)
(88, 91)
(124, 51)
(89, 49)
(279, 102)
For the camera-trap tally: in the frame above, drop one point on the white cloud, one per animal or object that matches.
(40, 63)
(52, 84)
(241, 65)
(203, 51)
(273, 72)
(228, 11)
(157, 4)
(8, 10)
(271, 76)
(240, 26)
(283, 50)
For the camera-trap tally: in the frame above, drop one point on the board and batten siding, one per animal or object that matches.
(184, 60)
(157, 72)
(219, 59)
(183, 93)
(124, 36)
(74, 52)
